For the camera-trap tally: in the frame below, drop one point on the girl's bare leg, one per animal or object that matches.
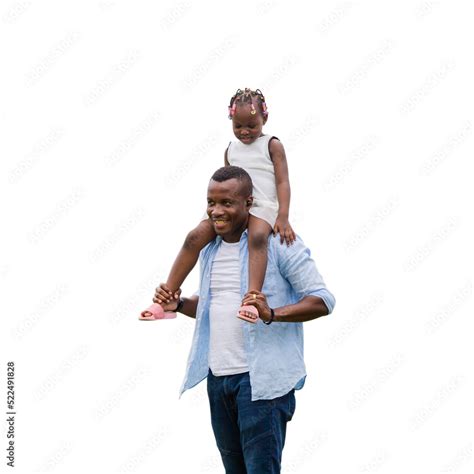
(258, 230)
(187, 257)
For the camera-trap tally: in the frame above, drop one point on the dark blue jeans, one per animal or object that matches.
(250, 435)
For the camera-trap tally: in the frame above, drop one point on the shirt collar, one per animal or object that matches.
(243, 236)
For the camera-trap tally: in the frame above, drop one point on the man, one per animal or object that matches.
(252, 370)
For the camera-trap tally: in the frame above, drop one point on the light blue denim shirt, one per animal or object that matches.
(275, 351)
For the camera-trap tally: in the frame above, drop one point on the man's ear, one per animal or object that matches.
(249, 201)
(265, 118)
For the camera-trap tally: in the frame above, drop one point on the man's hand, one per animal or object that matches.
(259, 300)
(283, 227)
(165, 297)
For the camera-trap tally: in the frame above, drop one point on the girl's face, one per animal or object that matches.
(247, 127)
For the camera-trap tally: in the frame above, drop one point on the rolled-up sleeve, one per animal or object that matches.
(299, 269)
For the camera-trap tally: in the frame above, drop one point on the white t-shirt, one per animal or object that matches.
(226, 346)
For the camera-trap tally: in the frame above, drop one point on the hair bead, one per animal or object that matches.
(247, 96)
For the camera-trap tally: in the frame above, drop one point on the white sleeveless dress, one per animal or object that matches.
(255, 159)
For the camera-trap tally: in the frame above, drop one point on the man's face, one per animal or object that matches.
(247, 127)
(228, 208)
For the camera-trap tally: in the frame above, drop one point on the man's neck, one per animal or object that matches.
(236, 236)
(232, 240)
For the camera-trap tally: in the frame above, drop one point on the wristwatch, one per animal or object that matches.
(271, 317)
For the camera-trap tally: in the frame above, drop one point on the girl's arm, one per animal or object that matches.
(282, 226)
(278, 156)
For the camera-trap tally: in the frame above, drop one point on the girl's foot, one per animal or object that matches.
(155, 311)
(248, 313)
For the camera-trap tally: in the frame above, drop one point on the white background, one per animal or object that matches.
(114, 116)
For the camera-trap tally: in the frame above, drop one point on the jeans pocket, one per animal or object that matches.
(291, 404)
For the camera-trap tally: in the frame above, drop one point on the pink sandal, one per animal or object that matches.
(250, 309)
(155, 311)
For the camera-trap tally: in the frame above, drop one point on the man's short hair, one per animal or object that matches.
(229, 172)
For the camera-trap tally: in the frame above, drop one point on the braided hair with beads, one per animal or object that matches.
(248, 96)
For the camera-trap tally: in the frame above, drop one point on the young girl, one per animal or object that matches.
(263, 157)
